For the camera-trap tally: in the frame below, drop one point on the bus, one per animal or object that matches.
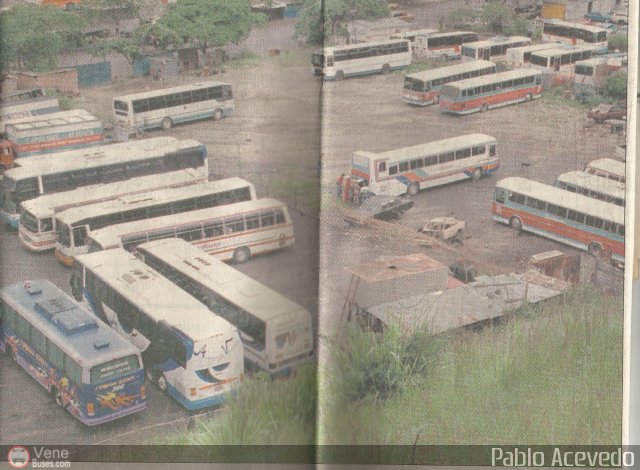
(574, 33)
(168, 106)
(37, 229)
(75, 224)
(592, 186)
(591, 72)
(521, 56)
(21, 95)
(570, 218)
(231, 232)
(423, 88)
(275, 331)
(439, 44)
(26, 108)
(47, 133)
(491, 91)
(189, 352)
(607, 168)
(415, 36)
(492, 48)
(6, 155)
(338, 62)
(105, 164)
(88, 369)
(561, 58)
(409, 169)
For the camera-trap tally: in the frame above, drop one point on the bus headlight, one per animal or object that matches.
(192, 391)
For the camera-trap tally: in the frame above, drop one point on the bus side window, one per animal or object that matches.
(492, 150)
(500, 196)
(79, 235)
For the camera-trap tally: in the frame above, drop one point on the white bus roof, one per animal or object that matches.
(532, 48)
(563, 198)
(62, 118)
(495, 77)
(562, 50)
(328, 50)
(429, 148)
(158, 297)
(261, 301)
(46, 204)
(610, 165)
(415, 32)
(594, 183)
(585, 27)
(441, 72)
(166, 91)
(97, 156)
(450, 33)
(134, 201)
(110, 236)
(496, 41)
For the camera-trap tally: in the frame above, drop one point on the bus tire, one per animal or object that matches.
(413, 189)
(217, 114)
(162, 383)
(57, 396)
(515, 223)
(241, 255)
(166, 123)
(339, 75)
(594, 248)
(477, 174)
(529, 97)
(386, 69)
(484, 107)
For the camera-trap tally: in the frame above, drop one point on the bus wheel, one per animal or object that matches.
(166, 123)
(413, 189)
(339, 75)
(240, 255)
(57, 396)
(162, 382)
(529, 97)
(594, 248)
(477, 174)
(217, 115)
(484, 107)
(386, 69)
(515, 223)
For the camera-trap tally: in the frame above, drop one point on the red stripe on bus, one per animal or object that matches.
(467, 104)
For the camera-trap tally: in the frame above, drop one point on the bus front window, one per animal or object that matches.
(121, 108)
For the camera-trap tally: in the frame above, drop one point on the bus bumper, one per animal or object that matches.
(196, 404)
(120, 414)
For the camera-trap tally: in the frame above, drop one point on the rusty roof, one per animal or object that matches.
(392, 267)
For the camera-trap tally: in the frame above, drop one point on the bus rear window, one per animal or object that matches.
(113, 369)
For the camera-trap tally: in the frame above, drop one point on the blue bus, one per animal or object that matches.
(86, 367)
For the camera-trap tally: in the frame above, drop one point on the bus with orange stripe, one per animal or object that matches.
(410, 169)
(560, 215)
(491, 91)
(230, 232)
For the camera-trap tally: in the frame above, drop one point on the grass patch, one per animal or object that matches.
(562, 96)
(296, 57)
(299, 191)
(244, 58)
(66, 102)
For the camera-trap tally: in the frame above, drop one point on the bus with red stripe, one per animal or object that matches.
(491, 91)
(563, 216)
(410, 169)
(423, 88)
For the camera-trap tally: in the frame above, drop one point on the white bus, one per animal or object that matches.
(75, 224)
(275, 331)
(574, 33)
(26, 108)
(231, 232)
(338, 62)
(168, 106)
(592, 186)
(53, 132)
(560, 58)
(423, 88)
(442, 44)
(492, 48)
(105, 164)
(607, 168)
(415, 37)
(37, 230)
(409, 169)
(592, 72)
(189, 352)
(521, 56)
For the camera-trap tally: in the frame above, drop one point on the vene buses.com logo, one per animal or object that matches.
(18, 457)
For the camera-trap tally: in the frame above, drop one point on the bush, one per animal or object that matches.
(615, 85)
(618, 42)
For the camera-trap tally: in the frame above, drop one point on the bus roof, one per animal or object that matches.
(562, 50)
(594, 183)
(154, 294)
(495, 77)
(415, 32)
(566, 199)
(135, 201)
(110, 236)
(496, 41)
(60, 162)
(165, 91)
(238, 288)
(61, 118)
(48, 203)
(569, 24)
(437, 146)
(450, 33)
(76, 331)
(609, 164)
(441, 72)
(328, 50)
(532, 47)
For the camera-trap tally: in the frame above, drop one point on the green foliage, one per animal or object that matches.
(615, 85)
(32, 36)
(324, 21)
(460, 18)
(517, 26)
(66, 102)
(301, 192)
(618, 42)
(130, 48)
(203, 24)
(497, 16)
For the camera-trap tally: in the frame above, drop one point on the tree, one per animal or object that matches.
(203, 24)
(497, 15)
(321, 21)
(615, 85)
(32, 36)
(130, 48)
(112, 10)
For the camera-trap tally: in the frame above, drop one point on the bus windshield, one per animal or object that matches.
(114, 369)
(415, 85)
(28, 220)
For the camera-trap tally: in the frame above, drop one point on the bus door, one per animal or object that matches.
(381, 170)
(484, 54)
(556, 63)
